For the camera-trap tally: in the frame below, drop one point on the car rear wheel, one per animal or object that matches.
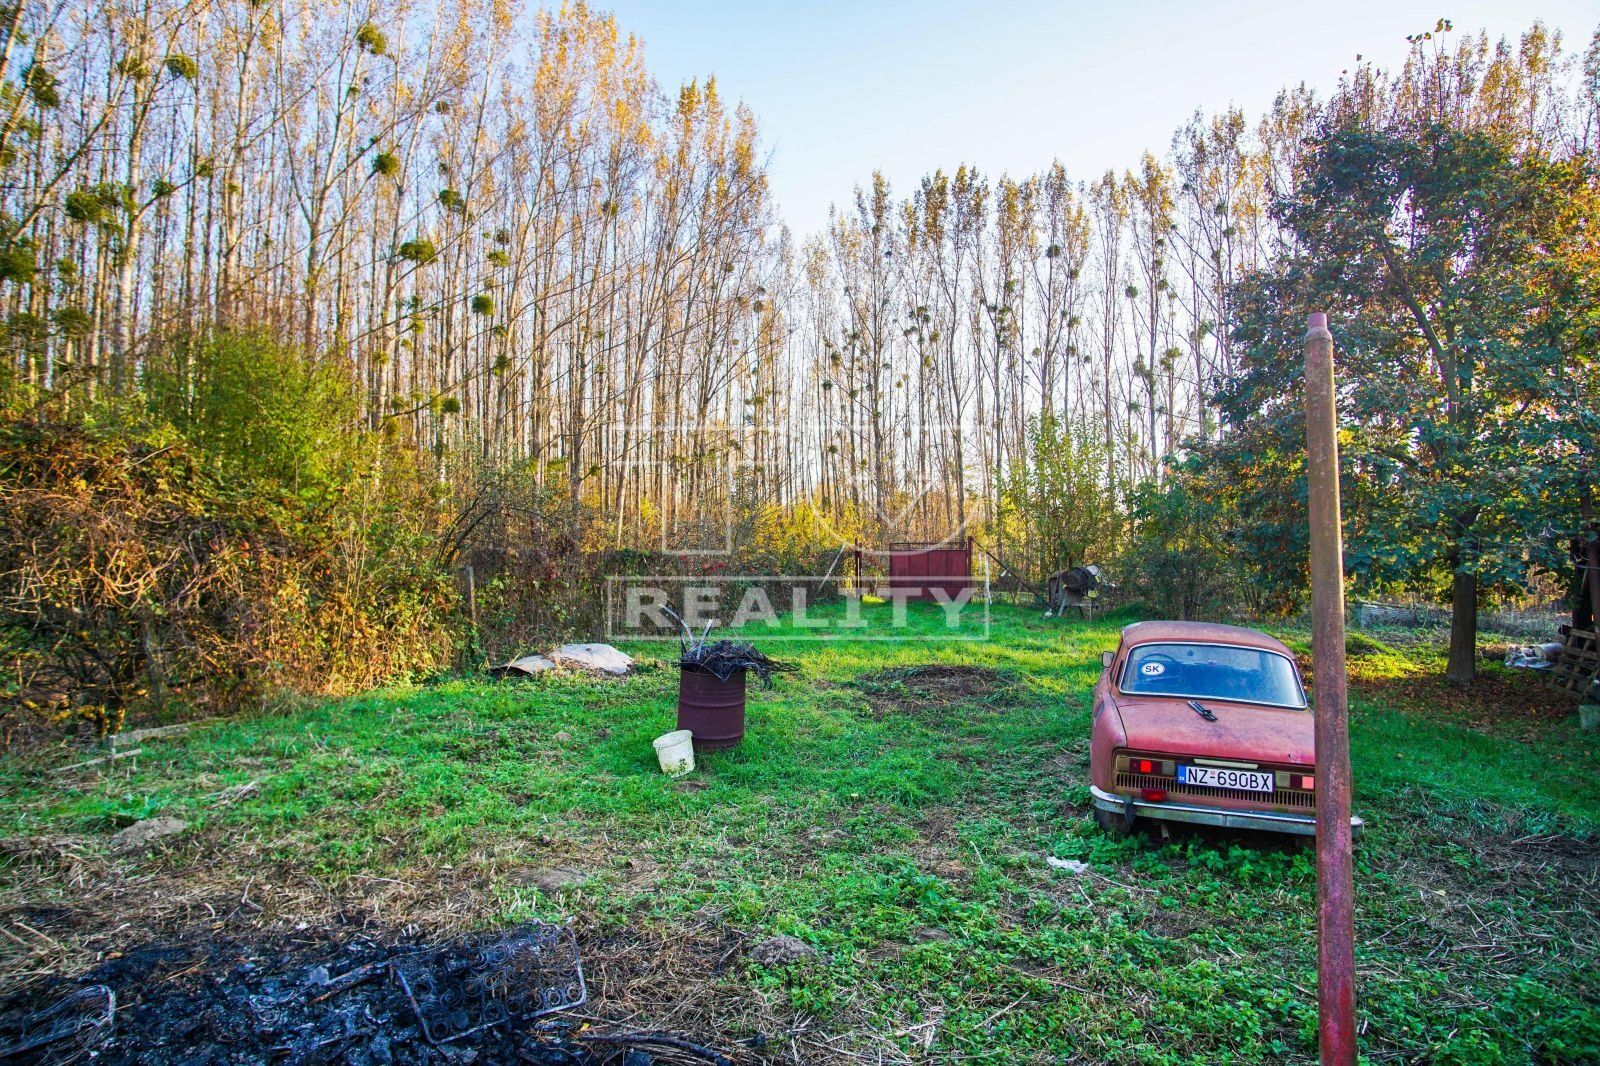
(1113, 823)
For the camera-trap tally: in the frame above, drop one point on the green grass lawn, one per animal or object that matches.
(901, 833)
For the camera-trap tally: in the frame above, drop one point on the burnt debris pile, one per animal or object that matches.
(478, 982)
(724, 658)
(481, 998)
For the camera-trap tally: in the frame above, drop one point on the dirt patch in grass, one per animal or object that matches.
(938, 849)
(890, 950)
(920, 690)
(1178, 923)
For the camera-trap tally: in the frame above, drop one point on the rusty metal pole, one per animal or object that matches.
(1336, 964)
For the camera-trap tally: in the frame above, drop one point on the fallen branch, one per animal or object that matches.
(677, 1043)
(103, 759)
(135, 736)
(350, 979)
(1016, 575)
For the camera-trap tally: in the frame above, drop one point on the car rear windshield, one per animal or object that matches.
(1213, 671)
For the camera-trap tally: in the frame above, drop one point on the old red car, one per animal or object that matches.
(1197, 722)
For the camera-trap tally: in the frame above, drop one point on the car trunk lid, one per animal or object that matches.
(1242, 731)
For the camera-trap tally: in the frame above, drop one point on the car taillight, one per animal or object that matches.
(1144, 764)
(1153, 795)
(1305, 781)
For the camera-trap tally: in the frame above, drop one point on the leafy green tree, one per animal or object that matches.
(1460, 264)
(1183, 556)
(260, 411)
(1060, 497)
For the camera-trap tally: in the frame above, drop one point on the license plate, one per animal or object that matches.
(1245, 780)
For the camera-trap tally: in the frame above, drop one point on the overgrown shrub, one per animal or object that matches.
(365, 600)
(1181, 558)
(279, 420)
(134, 576)
(524, 555)
(128, 575)
(236, 534)
(1059, 510)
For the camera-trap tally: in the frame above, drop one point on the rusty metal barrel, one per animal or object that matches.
(711, 708)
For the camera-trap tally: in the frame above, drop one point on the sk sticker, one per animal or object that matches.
(1153, 669)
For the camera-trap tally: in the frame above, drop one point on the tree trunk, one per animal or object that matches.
(1462, 665)
(1592, 573)
(1584, 592)
(1585, 550)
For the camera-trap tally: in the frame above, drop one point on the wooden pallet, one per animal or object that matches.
(1579, 664)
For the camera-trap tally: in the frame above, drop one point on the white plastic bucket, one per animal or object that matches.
(675, 750)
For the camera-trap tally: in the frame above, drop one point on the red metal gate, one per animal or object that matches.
(916, 570)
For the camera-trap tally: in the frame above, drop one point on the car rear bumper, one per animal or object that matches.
(1270, 821)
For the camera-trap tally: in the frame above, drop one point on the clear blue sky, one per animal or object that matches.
(843, 88)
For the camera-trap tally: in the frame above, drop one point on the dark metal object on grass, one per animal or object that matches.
(711, 686)
(710, 707)
(84, 1016)
(711, 690)
(1077, 589)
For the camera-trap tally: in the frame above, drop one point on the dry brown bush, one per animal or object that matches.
(133, 578)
